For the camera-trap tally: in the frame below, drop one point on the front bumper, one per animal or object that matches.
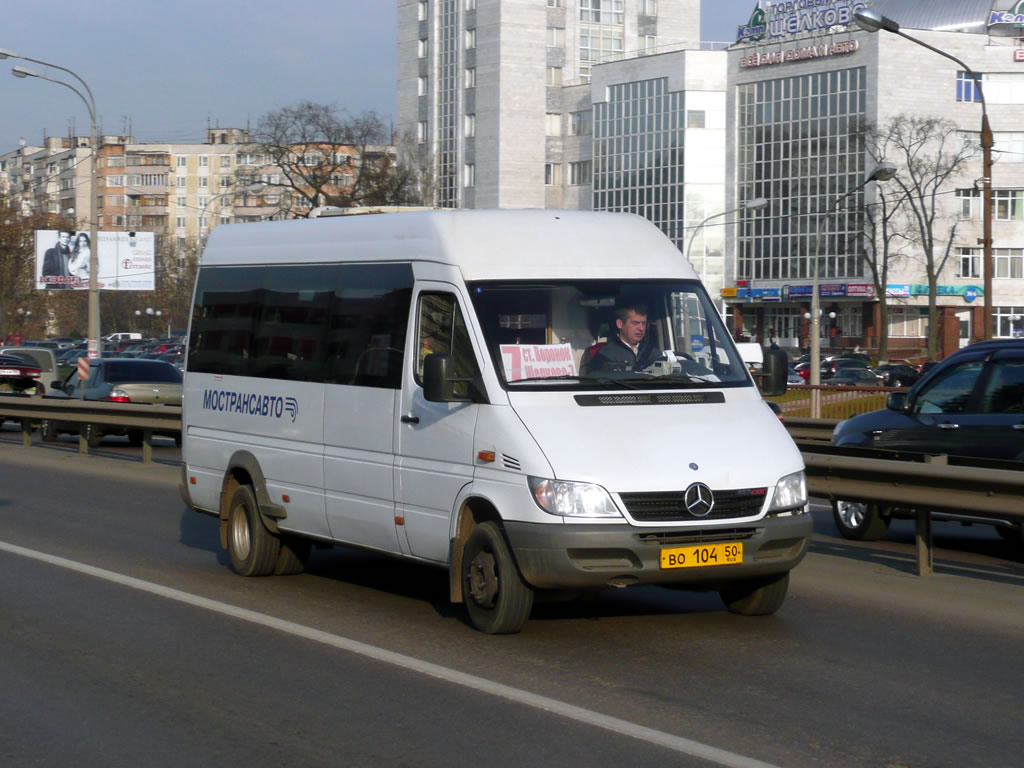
(593, 556)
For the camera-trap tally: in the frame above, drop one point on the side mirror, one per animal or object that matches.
(896, 401)
(774, 373)
(439, 384)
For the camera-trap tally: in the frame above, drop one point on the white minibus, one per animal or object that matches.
(542, 402)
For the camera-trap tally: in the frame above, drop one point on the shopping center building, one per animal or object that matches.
(805, 83)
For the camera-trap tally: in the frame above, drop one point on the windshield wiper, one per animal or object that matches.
(602, 380)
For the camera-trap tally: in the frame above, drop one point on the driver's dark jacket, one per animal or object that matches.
(615, 355)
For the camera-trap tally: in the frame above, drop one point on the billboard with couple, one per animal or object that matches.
(126, 260)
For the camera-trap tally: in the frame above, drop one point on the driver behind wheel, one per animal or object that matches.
(628, 350)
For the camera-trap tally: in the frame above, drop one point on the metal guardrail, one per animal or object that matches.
(149, 418)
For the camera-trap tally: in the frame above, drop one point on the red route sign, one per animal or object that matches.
(83, 367)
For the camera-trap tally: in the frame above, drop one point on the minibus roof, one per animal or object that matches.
(483, 244)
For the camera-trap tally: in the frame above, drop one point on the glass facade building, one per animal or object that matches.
(638, 154)
(800, 146)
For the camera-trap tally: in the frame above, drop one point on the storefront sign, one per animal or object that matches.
(861, 290)
(1018, 55)
(831, 291)
(797, 17)
(758, 293)
(905, 291)
(796, 290)
(800, 54)
(728, 293)
(1013, 16)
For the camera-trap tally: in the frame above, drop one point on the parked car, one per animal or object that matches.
(19, 373)
(855, 377)
(927, 365)
(42, 358)
(862, 357)
(793, 377)
(898, 375)
(971, 404)
(831, 367)
(119, 380)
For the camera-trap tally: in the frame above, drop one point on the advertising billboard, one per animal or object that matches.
(126, 260)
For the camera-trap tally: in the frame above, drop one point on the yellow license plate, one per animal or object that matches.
(702, 555)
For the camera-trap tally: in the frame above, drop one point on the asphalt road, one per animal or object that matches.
(129, 641)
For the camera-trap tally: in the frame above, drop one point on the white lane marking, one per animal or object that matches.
(579, 714)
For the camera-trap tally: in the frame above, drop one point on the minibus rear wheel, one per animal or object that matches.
(497, 598)
(756, 597)
(254, 550)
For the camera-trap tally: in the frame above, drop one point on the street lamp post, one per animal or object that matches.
(95, 342)
(882, 172)
(872, 21)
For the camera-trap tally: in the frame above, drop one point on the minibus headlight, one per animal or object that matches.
(790, 493)
(559, 497)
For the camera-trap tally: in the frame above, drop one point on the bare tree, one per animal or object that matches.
(17, 267)
(315, 155)
(930, 152)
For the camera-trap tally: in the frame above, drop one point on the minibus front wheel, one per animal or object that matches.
(756, 597)
(496, 597)
(254, 550)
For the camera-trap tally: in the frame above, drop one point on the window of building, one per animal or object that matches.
(204, 161)
(1008, 322)
(1008, 204)
(181, 181)
(182, 161)
(470, 38)
(180, 222)
(470, 5)
(115, 181)
(421, 132)
(579, 123)
(579, 173)
(469, 175)
(225, 181)
(554, 3)
(650, 8)
(470, 77)
(225, 161)
(1009, 262)
(602, 11)
(599, 42)
(470, 125)
(421, 85)
(969, 203)
(422, 48)
(695, 118)
(648, 44)
(421, 10)
(556, 37)
(181, 202)
(114, 161)
(552, 174)
(970, 262)
(908, 322)
(967, 88)
(554, 76)
(552, 124)
(202, 222)
(204, 181)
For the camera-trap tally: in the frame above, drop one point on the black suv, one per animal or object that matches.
(970, 404)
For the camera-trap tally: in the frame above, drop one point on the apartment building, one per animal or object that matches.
(495, 94)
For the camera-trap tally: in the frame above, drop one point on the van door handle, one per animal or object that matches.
(948, 425)
(1018, 426)
(410, 419)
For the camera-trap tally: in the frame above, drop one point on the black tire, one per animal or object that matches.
(253, 549)
(293, 556)
(756, 597)
(48, 431)
(93, 435)
(135, 438)
(497, 599)
(859, 520)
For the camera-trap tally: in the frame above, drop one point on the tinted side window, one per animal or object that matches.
(337, 323)
(951, 391)
(1004, 392)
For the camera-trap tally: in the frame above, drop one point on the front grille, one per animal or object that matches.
(694, 536)
(670, 505)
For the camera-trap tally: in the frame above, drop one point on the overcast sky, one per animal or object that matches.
(163, 71)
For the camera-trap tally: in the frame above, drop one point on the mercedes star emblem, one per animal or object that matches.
(698, 500)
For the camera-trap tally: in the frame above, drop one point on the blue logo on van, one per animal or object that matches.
(250, 404)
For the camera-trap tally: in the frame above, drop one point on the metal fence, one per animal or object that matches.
(836, 402)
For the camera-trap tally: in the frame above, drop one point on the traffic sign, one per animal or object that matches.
(83, 368)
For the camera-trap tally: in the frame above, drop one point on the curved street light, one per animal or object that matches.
(872, 21)
(750, 205)
(95, 343)
(881, 172)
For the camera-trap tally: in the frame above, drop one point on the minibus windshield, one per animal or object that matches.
(586, 334)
